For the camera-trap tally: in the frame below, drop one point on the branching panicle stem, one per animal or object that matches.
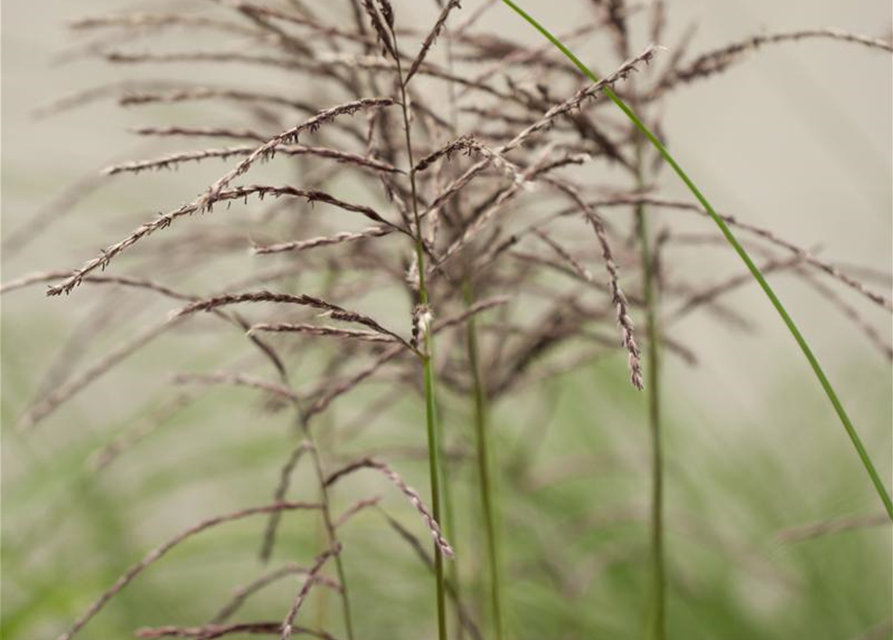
(428, 350)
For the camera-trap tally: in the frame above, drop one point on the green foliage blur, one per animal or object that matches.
(573, 464)
(753, 451)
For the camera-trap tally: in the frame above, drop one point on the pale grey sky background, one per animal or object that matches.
(797, 139)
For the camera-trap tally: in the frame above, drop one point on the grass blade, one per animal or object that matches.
(732, 240)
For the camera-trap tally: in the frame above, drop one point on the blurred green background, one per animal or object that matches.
(798, 139)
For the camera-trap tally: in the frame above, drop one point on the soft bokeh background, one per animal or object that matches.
(797, 139)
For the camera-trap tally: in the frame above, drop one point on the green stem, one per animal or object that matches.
(732, 240)
(658, 580)
(447, 497)
(483, 460)
(434, 469)
(449, 527)
(430, 391)
(657, 621)
(487, 488)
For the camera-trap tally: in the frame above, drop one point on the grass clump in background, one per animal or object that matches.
(401, 185)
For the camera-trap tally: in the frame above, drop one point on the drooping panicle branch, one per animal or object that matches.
(157, 553)
(409, 492)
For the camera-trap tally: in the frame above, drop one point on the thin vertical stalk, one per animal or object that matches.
(481, 428)
(434, 469)
(745, 257)
(481, 414)
(449, 527)
(657, 624)
(657, 619)
(429, 374)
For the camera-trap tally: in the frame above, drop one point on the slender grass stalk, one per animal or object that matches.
(481, 427)
(657, 619)
(481, 414)
(745, 257)
(657, 623)
(448, 502)
(430, 384)
(434, 469)
(449, 528)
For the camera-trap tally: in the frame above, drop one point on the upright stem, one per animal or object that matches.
(481, 413)
(448, 502)
(449, 527)
(434, 470)
(742, 253)
(658, 580)
(483, 460)
(430, 392)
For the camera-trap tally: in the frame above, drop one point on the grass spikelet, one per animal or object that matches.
(211, 631)
(288, 624)
(409, 492)
(436, 30)
(242, 594)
